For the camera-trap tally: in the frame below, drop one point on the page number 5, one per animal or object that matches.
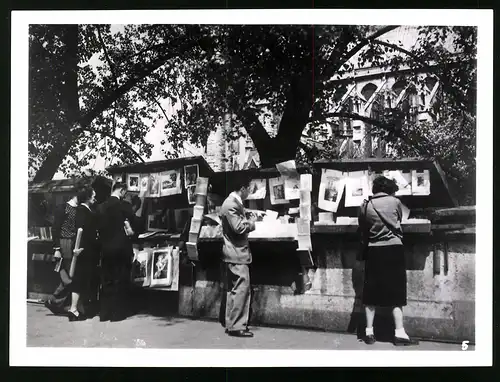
(465, 345)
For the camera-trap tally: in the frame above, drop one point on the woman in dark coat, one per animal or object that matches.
(385, 269)
(84, 286)
(64, 233)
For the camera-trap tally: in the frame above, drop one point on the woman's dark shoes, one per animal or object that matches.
(239, 333)
(73, 317)
(370, 339)
(54, 309)
(398, 341)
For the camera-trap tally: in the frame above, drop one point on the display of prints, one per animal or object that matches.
(357, 188)
(403, 181)
(292, 187)
(191, 194)
(331, 189)
(277, 190)
(191, 174)
(306, 182)
(257, 189)
(163, 266)
(288, 168)
(154, 185)
(304, 242)
(170, 182)
(144, 185)
(420, 182)
(133, 182)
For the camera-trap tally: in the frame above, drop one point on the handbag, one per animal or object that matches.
(363, 236)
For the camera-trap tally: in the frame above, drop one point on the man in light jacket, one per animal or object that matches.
(237, 257)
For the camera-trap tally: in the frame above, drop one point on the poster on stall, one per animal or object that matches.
(191, 174)
(133, 182)
(331, 189)
(357, 188)
(170, 182)
(403, 181)
(154, 185)
(191, 194)
(306, 182)
(144, 186)
(277, 190)
(292, 187)
(420, 182)
(257, 189)
(202, 186)
(163, 264)
(288, 168)
(140, 263)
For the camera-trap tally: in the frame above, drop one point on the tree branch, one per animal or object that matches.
(119, 140)
(111, 66)
(155, 101)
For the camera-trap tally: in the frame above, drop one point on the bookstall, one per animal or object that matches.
(307, 233)
(174, 195)
(42, 199)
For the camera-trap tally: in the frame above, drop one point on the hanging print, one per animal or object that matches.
(133, 182)
(191, 174)
(331, 189)
(170, 182)
(257, 189)
(277, 191)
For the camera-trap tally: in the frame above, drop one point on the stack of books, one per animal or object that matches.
(194, 231)
(304, 222)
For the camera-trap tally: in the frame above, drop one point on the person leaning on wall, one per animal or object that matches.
(385, 269)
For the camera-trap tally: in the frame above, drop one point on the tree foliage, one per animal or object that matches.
(208, 72)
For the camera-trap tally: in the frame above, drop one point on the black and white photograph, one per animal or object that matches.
(133, 182)
(191, 174)
(107, 103)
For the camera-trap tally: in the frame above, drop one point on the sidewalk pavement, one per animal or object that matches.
(147, 331)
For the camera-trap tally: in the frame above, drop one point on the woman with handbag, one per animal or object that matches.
(385, 269)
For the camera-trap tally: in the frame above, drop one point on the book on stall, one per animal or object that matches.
(303, 226)
(192, 251)
(305, 197)
(306, 182)
(198, 212)
(305, 212)
(193, 236)
(304, 242)
(195, 225)
(201, 186)
(146, 235)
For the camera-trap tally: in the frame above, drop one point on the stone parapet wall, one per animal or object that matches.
(441, 288)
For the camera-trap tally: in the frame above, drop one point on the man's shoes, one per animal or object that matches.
(239, 333)
(246, 330)
(398, 341)
(370, 339)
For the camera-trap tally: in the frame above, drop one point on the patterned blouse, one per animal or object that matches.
(68, 227)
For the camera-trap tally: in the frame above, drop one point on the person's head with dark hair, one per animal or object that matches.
(241, 185)
(385, 185)
(119, 189)
(86, 195)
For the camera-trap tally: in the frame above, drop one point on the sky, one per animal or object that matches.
(407, 36)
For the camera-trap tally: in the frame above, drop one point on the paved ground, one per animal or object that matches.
(147, 331)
